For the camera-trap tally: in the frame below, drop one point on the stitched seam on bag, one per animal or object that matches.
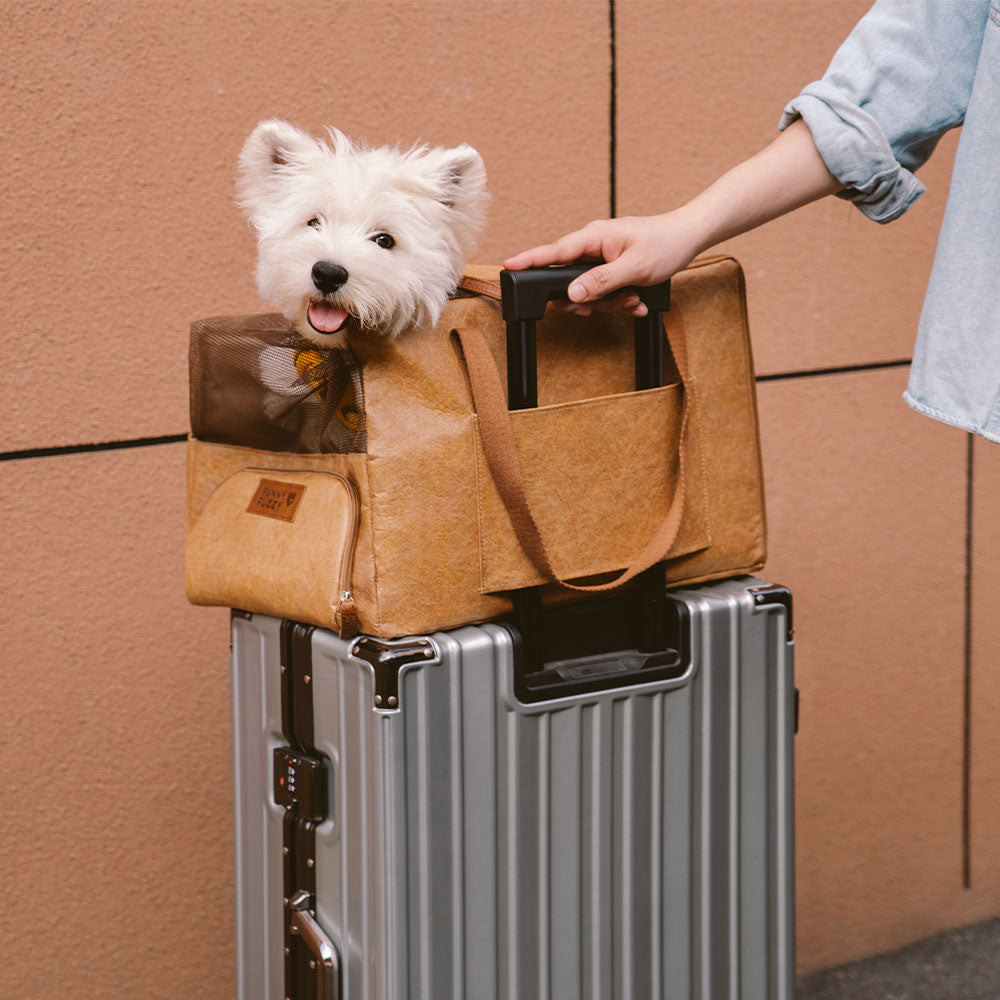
(708, 261)
(279, 454)
(371, 545)
(229, 475)
(483, 475)
(633, 397)
(751, 395)
(692, 388)
(719, 574)
(479, 507)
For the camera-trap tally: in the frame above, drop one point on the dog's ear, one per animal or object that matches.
(457, 176)
(457, 179)
(272, 145)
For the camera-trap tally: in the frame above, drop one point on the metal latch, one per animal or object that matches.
(324, 962)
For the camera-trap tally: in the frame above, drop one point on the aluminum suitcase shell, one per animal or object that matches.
(631, 843)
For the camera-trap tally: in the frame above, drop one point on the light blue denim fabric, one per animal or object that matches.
(911, 70)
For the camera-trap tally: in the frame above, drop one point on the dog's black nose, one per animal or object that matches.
(328, 277)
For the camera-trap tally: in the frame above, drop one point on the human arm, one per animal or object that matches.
(643, 250)
(900, 80)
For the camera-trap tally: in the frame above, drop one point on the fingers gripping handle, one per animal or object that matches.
(525, 294)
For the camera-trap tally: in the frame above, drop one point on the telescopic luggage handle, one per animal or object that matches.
(524, 296)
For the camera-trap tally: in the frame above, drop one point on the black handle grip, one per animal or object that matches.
(525, 294)
(524, 298)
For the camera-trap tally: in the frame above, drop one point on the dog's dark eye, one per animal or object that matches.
(314, 222)
(384, 240)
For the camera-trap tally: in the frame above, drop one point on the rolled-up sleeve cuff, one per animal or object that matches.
(856, 151)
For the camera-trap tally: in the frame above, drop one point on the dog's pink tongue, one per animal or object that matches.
(326, 318)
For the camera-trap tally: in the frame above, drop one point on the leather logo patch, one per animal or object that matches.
(276, 499)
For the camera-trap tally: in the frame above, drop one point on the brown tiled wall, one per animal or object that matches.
(121, 126)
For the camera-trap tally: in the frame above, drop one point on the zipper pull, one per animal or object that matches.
(349, 625)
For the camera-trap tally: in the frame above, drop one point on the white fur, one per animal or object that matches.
(430, 201)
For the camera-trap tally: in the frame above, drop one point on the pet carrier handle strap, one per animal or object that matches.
(500, 449)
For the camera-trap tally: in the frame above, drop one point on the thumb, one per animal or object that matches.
(600, 281)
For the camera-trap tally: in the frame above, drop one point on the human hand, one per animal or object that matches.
(644, 250)
(638, 250)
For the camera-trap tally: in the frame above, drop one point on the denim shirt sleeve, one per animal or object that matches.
(901, 79)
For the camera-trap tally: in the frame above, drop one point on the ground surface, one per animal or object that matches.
(959, 965)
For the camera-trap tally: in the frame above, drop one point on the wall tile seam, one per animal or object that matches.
(872, 366)
(77, 449)
(612, 115)
(55, 451)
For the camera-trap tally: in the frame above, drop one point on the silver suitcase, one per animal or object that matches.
(409, 828)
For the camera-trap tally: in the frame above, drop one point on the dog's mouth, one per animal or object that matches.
(325, 317)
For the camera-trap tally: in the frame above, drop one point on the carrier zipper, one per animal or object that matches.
(347, 611)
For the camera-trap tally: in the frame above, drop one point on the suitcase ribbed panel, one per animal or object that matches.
(630, 844)
(256, 725)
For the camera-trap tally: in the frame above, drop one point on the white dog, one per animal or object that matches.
(348, 235)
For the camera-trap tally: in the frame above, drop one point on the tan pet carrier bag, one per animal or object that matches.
(383, 486)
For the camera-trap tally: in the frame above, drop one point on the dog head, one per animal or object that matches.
(349, 235)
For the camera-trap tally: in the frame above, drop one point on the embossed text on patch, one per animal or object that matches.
(276, 499)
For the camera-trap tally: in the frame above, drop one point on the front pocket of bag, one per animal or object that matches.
(599, 476)
(276, 541)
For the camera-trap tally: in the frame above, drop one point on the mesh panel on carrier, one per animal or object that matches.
(256, 382)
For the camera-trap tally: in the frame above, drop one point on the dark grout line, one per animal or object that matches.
(613, 119)
(79, 449)
(967, 679)
(844, 370)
